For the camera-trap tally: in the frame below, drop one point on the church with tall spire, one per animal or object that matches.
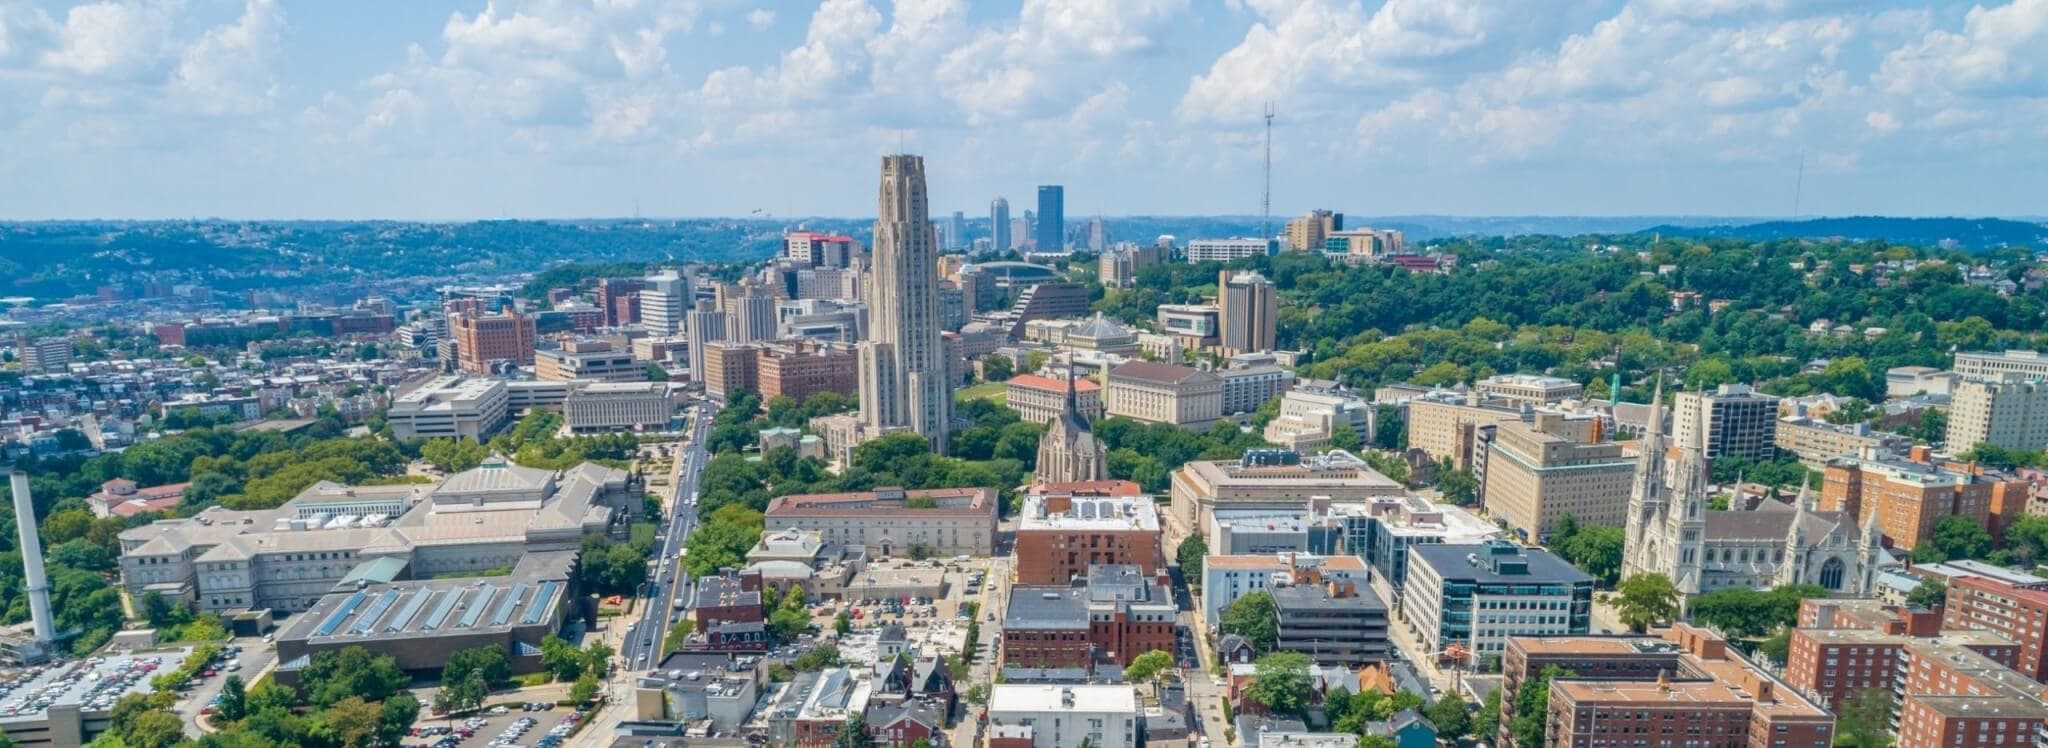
(1670, 530)
(1069, 451)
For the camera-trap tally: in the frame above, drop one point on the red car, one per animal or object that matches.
(207, 673)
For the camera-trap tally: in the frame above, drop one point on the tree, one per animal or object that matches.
(997, 368)
(399, 712)
(1955, 537)
(1531, 703)
(1645, 599)
(1148, 666)
(585, 689)
(1596, 550)
(842, 624)
(1865, 720)
(560, 658)
(678, 635)
(462, 695)
(351, 671)
(1450, 715)
(1458, 486)
(853, 734)
(488, 661)
(1283, 682)
(819, 658)
(1778, 646)
(355, 721)
(1254, 618)
(1930, 593)
(155, 728)
(1190, 554)
(1486, 723)
(233, 699)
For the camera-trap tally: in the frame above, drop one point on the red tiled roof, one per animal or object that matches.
(1034, 381)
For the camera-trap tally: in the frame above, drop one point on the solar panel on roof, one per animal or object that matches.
(505, 608)
(440, 614)
(341, 612)
(411, 609)
(368, 620)
(476, 609)
(541, 600)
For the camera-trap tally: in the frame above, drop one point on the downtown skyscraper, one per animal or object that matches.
(903, 384)
(999, 225)
(1052, 218)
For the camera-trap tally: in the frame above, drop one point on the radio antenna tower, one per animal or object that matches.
(1266, 200)
(1799, 185)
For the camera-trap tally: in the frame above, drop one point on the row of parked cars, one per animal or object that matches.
(101, 687)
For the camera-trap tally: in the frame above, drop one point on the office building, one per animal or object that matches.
(1474, 597)
(420, 622)
(1197, 325)
(619, 299)
(1248, 387)
(1907, 381)
(1052, 218)
(1382, 529)
(488, 342)
(813, 249)
(664, 299)
(50, 355)
(888, 521)
(1817, 442)
(1333, 621)
(999, 225)
(904, 380)
(1066, 528)
(1202, 490)
(1227, 578)
(2010, 413)
(1307, 232)
(1151, 392)
(1527, 388)
(603, 407)
(1365, 244)
(1053, 716)
(956, 231)
(1041, 400)
(1731, 421)
(1996, 365)
(1687, 683)
(1119, 266)
(1047, 301)
(1225, 250)
(1448, 427)
(1248, 310)
(450, 407)
(1114, 612)
(1907, 498)
(1316, 410)
(749, 312)
(1534, 478)
(588, 359)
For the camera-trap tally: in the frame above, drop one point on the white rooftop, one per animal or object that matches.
(1016, 698)
(1118, 513)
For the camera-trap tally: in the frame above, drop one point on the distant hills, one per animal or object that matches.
(1977, 234)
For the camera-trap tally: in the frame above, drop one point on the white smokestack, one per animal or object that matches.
(32, 559)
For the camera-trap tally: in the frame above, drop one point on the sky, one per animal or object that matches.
(425, 109)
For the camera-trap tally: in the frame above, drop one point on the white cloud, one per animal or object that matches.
(1882, 123)
(760, 18)
(112, 40)
(1997, 53)
(229, 70)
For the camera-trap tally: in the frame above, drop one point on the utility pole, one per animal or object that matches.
(1266, 201)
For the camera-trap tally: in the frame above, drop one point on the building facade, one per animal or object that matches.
(1731, 421)
(1041, 399)
(888, 521)
(1474, 597)
(1151, 392)
(1225, 250)
(1248, 308)
(593, 360)
(2010, 413)
(1064, 530)
(485, 341)
(903, 369)
(1535, 478)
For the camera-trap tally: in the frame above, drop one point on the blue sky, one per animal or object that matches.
(558, 108)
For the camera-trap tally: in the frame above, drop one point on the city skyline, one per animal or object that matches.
(453, 111)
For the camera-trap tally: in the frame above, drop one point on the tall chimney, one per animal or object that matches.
(32, 558)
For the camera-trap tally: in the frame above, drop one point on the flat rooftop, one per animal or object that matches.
(429, 608)
(1457, 562)
(1039, 699)
(1119, 513)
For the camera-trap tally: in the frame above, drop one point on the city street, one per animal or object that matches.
(642, 649)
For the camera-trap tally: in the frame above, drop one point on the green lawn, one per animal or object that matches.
(997, 391)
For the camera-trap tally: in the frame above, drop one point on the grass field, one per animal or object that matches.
(997, 391)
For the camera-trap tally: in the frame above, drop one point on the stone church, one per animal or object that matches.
(1671, 531)
(1069, 451)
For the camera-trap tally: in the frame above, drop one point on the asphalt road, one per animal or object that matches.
(643, 639)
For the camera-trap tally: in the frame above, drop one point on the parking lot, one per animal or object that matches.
(90, 684)
(536, 725)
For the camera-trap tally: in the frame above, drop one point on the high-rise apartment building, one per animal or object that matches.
(1248, 308)
(1731, 421)
(45, 355)
(2014, 612)
(1052, 217)
(483, 340)
(1225, 250)
(750, 313)
(663, 302)
(1909, 497)
(1307, 232)
(619, 299)
(2011, 413)
(903, 367)
(705, 326)
(999, 225)
(956, 231)
(730, 367)
(1097, 234)
(2001, 365)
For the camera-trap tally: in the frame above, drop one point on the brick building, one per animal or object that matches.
(1910, 495)
(1118, 614)
(1067, 527)
(2014, 612)
(801, 369)
(482, 340)
(730, 366)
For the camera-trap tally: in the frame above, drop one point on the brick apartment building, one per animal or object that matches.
(1067, 527)
(801, 369)
(2016, 613)
(1845, 647)
(1912, 494)
(1118, 614)
(1684, 688)
(484, 339)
